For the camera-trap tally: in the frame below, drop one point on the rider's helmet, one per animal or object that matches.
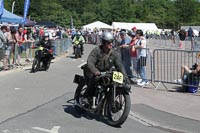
(46, 34)
(107, 36)
(78, 34)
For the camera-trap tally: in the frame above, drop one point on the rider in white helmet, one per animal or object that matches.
(79, 38)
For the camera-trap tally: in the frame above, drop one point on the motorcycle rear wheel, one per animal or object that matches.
(78, 96)
(118, 107)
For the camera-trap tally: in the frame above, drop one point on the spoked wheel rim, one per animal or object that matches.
(78, 98)
(79, 94)
(116, 108)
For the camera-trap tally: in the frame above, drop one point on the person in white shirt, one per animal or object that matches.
(141, 57)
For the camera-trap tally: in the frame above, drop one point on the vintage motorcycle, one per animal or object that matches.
(77, 45)
(111, 99)
(42, 59)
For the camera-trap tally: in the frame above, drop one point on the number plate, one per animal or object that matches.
(118, 77)
(76, 42)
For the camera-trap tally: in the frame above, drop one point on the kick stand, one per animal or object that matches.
(72, 101)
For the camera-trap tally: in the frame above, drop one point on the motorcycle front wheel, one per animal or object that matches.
(47, 65)
(77, 52)
(117, 109)
(34, 65)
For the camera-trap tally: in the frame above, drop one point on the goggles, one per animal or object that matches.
(108, 42)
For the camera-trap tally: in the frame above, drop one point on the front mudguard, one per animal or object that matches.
(126, 86)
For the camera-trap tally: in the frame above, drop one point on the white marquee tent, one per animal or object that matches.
(98, 25)
(129, 26)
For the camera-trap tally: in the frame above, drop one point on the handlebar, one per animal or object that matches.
(42, 48)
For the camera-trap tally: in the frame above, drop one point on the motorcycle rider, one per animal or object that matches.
(80, 38)
(102, 59)
(46, 43)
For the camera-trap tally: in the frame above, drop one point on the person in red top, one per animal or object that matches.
(133, 52)
(20, 40)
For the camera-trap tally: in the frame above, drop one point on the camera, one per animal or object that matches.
(194, 66)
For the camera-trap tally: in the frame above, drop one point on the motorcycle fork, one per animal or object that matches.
(114, 96)
(114, 92)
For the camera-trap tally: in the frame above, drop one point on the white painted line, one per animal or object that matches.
(53, 130)
(82, 64)
(17, 88)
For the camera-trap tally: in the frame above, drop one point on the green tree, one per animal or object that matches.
(165, 13)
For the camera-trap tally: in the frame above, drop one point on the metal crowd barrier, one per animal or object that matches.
(165, 42)
(60, 47)
(167, 64)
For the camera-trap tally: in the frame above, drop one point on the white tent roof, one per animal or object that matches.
(129, 26)
(97, 24)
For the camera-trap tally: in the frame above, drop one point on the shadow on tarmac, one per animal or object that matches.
(70, 109)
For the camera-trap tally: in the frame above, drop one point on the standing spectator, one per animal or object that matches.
(134, 29)
(125, 53)
(20, 45)
(182, 36)
(29, 41)
(12, 40)
(173, 37)
(54, 45)
(59, 34)
(191, 37)
(133, 52)
(141, 56)
(41, 33)
(5, 46)
(26, 47)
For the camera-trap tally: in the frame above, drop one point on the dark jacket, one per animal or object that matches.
(182, 35)
(46, 44)
(98, 62)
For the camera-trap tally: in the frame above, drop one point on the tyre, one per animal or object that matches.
(79, 52)
(76, 52)
(34, 65)
(117, 110)
(78, 96)
(47, 65)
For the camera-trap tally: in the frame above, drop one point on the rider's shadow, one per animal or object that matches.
(70, 109)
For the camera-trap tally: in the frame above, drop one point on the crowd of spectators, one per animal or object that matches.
(131, 45)
(16, 42)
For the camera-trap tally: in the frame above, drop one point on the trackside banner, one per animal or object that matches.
(1, 7)
(26, 7)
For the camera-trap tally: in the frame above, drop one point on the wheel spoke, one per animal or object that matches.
(118, 108)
